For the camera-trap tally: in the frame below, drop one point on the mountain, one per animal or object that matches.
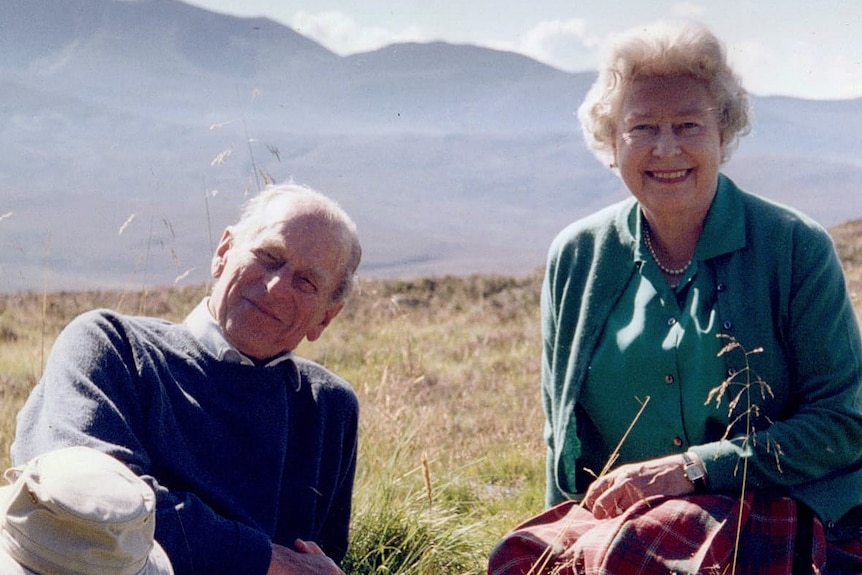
(134, 129)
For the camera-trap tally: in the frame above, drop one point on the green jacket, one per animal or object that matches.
(780, 287)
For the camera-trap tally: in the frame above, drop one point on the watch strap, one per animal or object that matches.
(695, 472)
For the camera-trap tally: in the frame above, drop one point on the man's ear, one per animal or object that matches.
(330, 314)
(220, 256)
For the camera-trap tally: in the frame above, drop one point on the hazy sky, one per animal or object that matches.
(804, 48)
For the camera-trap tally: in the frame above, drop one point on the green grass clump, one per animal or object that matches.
(405, 524)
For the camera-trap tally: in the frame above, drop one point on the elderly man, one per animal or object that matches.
(251, 451)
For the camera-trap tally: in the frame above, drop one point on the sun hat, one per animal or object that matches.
(78, 511)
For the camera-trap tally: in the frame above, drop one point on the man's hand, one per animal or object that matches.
(308, 559)
(610, 495)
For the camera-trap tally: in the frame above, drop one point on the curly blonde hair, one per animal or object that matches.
(663, 49)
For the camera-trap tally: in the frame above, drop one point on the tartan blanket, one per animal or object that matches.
(696, 534)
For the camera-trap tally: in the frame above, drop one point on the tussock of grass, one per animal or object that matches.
(407, 523)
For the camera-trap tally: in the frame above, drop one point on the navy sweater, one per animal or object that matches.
(239, 456)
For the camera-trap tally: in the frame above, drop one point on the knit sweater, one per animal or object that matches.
(779, 287)
(239, 456)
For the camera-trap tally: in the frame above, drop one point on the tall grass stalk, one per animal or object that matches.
(42, 344)
(744, 380)
(254, 167)
(144, 285)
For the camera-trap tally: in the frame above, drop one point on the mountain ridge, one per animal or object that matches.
(451, 158)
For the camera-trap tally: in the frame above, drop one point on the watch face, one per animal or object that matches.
(694, 472)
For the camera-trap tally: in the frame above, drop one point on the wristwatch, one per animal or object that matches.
(694, 472)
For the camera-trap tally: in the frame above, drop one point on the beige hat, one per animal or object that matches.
(78, 511)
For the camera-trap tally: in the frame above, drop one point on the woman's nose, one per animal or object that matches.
(666, 143)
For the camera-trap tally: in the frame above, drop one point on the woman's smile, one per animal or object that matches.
(669, 177)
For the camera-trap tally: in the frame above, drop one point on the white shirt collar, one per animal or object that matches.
(210, 335)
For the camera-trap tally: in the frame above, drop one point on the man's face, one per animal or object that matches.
(274, 287)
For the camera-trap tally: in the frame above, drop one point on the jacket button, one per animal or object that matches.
(721, 287)
(727, 325)
(677, 441)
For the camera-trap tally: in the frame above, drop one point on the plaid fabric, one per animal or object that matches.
(661, 536)
(844, 557)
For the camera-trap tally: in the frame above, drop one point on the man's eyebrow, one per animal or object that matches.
(271, 244)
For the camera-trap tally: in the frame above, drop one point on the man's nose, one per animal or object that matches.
(280, 282)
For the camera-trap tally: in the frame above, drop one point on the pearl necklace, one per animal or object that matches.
(661, 266)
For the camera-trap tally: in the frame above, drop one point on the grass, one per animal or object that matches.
(447, 372)
(848, 242)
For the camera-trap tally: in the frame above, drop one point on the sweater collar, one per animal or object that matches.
(210, 335)
(723, 229)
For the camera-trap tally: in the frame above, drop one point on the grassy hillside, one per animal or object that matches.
(447, 371)
(848, 241)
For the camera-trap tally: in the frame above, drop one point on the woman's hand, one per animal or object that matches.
(610, 495)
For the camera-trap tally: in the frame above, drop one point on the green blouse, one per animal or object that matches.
(658, 343)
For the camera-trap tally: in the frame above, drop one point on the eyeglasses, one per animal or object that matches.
(642, 131)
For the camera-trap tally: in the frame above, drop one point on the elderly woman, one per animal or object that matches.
(702, 362)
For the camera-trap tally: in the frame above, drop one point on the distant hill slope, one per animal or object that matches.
(452, 159)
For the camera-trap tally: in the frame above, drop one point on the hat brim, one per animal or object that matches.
(9, 566)
(157, 564)
(5, 497)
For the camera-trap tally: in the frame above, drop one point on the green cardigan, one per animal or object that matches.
(780, 287)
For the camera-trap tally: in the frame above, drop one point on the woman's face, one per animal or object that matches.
(668, 145)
